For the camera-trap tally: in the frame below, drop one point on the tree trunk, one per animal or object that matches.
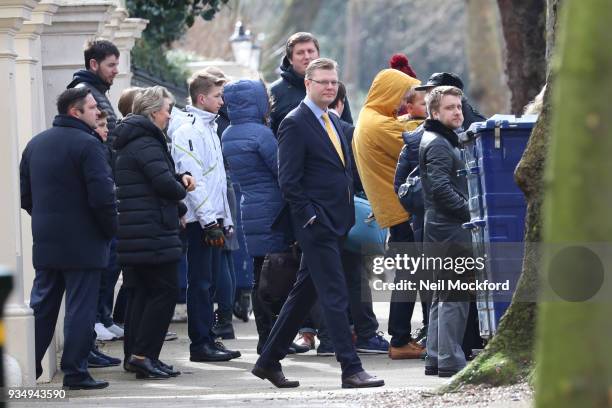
(552, 9)
(524, 28)
(577, 210)
(488, 87)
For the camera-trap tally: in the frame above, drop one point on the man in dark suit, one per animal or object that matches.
(315, 180)
(67, 188)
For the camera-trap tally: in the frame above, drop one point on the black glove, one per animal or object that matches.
(213, 236)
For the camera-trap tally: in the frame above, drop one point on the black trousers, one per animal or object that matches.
(153, 291)
(360, 298)
(265, 313)
(321, 276)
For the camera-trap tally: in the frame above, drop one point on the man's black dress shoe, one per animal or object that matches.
(87, 384)
(275, 377)
(95, 361)
(210, 352)
(168, 369)
(221, 346)
(300, 349)
(112, 360)
(145, 369)
(362, 380)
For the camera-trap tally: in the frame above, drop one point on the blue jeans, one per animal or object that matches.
(225, 283)
(202, 262)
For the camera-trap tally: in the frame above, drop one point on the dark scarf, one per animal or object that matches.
(436, 126)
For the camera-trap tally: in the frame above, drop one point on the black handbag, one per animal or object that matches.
(278, 275)
(411, 193)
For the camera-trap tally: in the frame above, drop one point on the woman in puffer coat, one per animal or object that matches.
(250, 148)
(149, 195)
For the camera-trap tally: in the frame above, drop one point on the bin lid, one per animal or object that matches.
(504, 122)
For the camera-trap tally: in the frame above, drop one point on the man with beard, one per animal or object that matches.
(101, 68)
(446, 208)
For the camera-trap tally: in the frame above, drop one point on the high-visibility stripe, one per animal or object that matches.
(190, 154)
(209, 170)
(201, 204)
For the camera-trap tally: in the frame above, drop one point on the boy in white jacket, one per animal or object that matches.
(196, 149)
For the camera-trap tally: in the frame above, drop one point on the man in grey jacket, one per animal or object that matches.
(446, 208)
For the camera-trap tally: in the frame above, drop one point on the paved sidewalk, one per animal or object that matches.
(231, 384)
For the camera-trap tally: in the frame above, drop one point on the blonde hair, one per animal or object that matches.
(201, 82)
(320, 63)
(435, 96)
(150, 100)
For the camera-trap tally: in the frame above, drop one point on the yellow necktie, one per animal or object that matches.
(332, 136)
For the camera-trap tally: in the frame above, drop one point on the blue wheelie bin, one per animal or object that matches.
(492, 149)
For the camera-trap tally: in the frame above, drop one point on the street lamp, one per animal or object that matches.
(256, 52)
(241, 45)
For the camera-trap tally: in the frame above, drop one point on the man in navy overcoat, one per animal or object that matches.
(67, 188)
(315, 180)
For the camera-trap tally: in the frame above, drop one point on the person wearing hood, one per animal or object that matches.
(196, 149)
(289, 90)
(149, 194)
(101, 68)
(250, 148)
(377, 144)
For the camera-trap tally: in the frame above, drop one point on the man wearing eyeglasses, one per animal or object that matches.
(315, 179)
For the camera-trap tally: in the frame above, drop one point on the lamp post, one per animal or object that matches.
(256, 52)
(241, 45)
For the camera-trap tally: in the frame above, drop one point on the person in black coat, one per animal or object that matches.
(445, 196)
(408, 160)
(67, 188)
(148, 243)
(101, 68)
(288, 91)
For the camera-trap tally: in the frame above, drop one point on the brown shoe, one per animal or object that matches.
(408, 351)
(306, 340)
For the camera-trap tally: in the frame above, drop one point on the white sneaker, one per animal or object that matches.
(171, 336)
(103, 334)
(116, 330)
(180, 313)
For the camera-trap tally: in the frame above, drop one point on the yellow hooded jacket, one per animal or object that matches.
(378, 141)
